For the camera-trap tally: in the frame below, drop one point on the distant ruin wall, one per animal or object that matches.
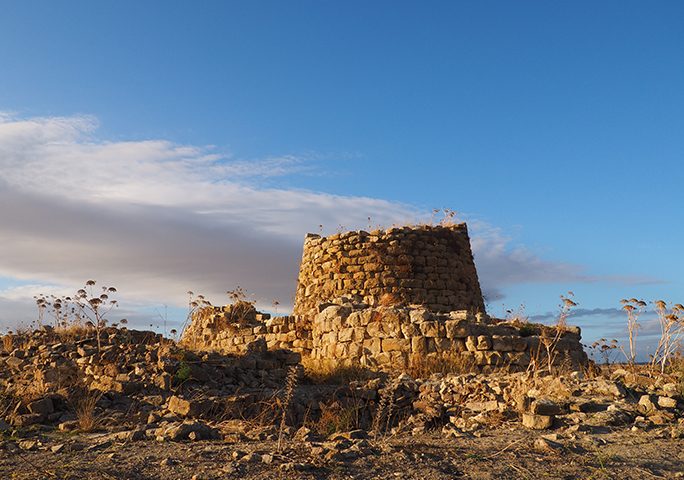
(427, 265)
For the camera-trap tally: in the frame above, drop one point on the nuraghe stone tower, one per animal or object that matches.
(382, 300)
(430, 266)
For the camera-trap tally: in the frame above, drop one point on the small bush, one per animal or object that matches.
(527, 330)
(183, 373)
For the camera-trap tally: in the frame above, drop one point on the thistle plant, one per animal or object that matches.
(634, 308)
(671, 330)
(95, 307)
(290, 386)
(550, 337)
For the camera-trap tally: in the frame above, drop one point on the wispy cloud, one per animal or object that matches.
(500, 262)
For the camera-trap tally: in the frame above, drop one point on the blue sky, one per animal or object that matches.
(556, 129)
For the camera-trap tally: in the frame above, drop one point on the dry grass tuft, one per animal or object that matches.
(336, 417)
(73, 332)
(290, 385)
(383, 415)
(424, 366)
(84, 403)
(322, 372)
(389, 300)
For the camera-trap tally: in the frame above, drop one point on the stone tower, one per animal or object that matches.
(427, 265)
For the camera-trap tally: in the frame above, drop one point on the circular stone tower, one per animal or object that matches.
(427, 265)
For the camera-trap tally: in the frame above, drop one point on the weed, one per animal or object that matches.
(528, 331)
(550, 336)
(336, 417)
(385, 407)
(671, 330)
(290, 385)
(634, 308)
(183, 373)
(389, 299)
(605, 349)
(85, 402)
(86, 305)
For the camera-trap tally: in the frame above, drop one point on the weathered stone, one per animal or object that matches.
(537, 422)
(667, 402)
(395, 344)
(544, 406)
(188, 408)
(545, 445)
(648, 403)
(42, 406)
(198, 430)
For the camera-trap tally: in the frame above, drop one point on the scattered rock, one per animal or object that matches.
(28, 445)
(537, 422)
(545, 445)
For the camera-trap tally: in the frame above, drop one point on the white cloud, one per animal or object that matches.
(155, 218)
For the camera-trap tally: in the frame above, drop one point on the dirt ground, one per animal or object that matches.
(496, 454)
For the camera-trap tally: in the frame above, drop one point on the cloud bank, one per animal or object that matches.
(156, 219)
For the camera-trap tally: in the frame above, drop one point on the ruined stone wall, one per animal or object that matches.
(428, 265)
(388, 338)
(218, 329)
(394, 338)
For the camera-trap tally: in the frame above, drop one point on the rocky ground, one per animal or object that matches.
(140, 407)
(495, 454)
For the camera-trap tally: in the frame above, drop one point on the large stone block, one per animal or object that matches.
(419, 345)
(457, 328)
(537, 422)
(432, 329)
(502, 343)
(395, 344)
(373, 345)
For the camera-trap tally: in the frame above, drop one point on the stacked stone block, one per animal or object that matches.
(216, 329)
(393, 337)
(428, 265)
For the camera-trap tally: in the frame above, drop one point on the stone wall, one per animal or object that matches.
(397, 337)
(427, 265)
(223, 330)
(386, 338)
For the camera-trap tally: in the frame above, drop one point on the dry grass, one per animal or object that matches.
(336, 417)
(423, 366)
(73, 332)
(389, 300)
(84, 403)
(383, 415)
(322, 372)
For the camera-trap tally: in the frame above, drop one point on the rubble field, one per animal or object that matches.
(134, 405)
